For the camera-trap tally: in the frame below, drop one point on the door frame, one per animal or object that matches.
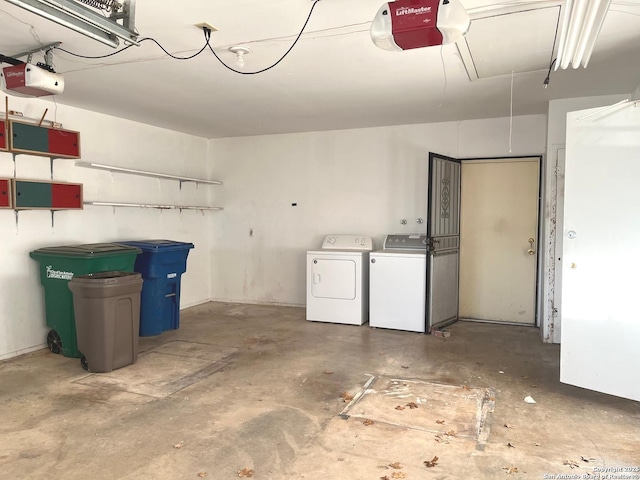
(539, 232)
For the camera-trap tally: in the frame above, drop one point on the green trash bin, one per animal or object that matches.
(58, 265)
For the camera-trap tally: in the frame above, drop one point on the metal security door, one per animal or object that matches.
(443, 230)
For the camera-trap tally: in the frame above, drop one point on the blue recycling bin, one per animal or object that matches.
(161, 263)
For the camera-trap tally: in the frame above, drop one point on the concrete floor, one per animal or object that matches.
(259, 388)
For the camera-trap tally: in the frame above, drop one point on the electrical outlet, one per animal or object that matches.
(203, 25)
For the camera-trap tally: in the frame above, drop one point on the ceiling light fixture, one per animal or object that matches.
(81, 19)
(240, 52)
(581, 25)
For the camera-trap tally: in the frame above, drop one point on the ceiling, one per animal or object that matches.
(334, 78)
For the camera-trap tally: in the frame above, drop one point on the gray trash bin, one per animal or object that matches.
(107, 315)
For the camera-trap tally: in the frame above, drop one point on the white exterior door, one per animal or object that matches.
(498, 240)
(601, 263)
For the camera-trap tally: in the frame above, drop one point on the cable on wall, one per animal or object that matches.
(511, 114)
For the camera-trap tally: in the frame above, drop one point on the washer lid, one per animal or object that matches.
(399, 253)
(348, 242)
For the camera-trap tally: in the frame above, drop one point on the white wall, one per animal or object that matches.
(360, 181)
(553, 201)
(113, 141)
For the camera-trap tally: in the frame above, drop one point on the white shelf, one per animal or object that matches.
(130, 171)
(151, 205)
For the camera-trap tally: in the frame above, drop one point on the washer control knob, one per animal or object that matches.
(373, 260)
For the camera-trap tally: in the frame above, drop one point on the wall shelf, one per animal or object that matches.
(151, 205)
(130, 171)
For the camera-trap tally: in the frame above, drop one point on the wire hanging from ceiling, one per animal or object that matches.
(207, 36)
(313, 6)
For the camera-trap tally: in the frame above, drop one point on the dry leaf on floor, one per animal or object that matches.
(451, 433)
(346, 397)
(202, 474)
(537, 444)
(534, 385)
(412, 405)
(396, 465)
(511, 445)
(571, 463)
(179, 445)
(587, 459)
(385, 478)
(440, 439)
(399, 407)
(510, 470)
(398, 475)
(466, 387)
(368, 422)
(246, 472)
(328, 373)
(508, 425)
(404, 366)
(492, 399)
(440, 422)
(431, 463)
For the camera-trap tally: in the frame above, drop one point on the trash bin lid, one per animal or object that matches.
(87, 250)
(155, 246)
(107, 278)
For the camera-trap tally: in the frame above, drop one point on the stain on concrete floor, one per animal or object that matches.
(164, 370)
(451, 411)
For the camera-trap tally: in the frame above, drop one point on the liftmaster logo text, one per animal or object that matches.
(58, 274)
(411, 10)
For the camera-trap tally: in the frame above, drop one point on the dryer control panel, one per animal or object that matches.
(406, 242)
(347, 242)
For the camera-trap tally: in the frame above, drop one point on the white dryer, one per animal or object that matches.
(397, 284)
(338, 280)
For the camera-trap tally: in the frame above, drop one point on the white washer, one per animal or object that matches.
(338, 280)
(397, 283)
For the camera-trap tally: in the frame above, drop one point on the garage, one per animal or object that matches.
(257, 131)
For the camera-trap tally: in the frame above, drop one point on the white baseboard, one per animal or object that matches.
(22, 351)
(254, 302)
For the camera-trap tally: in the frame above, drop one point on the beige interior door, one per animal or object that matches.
(498, 240)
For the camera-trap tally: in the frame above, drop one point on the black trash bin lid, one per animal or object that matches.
(159, 245)
(87, 250)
